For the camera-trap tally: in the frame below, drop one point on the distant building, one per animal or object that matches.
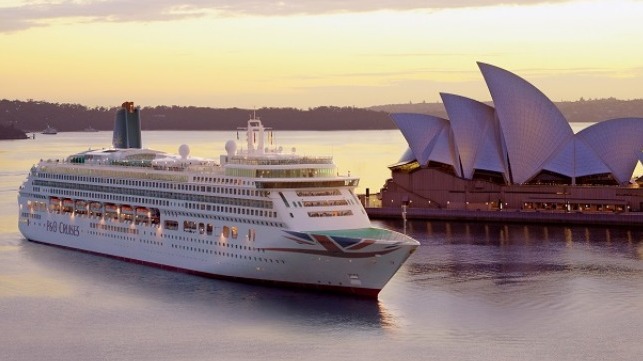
(519, 154)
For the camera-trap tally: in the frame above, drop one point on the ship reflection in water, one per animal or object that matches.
(69, 270)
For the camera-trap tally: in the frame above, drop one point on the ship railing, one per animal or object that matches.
(286, 161)
(371, 233)
(209, 168)
(389, 235)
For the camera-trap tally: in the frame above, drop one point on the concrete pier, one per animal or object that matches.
(627, 219)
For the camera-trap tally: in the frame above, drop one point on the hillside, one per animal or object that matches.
(576, 111)
(33, 116)
(9, 132)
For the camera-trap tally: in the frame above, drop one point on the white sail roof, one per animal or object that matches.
(524, 135)
(421, 132)
(576, 159)
(476, 134)
(444, 150)
(532, 126)
(618, 142)
(407, 157)
(586, 161)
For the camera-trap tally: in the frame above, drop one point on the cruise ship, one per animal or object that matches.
(259, 214)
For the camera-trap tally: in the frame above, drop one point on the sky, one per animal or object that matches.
(308, 53)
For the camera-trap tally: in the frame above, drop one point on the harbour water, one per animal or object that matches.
(472, 291)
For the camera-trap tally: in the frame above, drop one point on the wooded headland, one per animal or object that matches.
(34, 116)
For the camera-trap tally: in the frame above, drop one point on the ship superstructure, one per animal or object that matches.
(257, 214)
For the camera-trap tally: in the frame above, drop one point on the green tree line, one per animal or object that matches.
(34, 116)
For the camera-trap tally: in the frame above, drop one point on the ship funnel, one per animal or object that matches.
(127, 127)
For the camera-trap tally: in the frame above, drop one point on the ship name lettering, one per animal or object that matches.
(52, 226)
(68, 229)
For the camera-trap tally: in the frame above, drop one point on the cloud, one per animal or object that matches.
(308, 7)
(32, 13)
(41, 13)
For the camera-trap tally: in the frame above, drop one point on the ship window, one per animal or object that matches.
(235, 232)
(226, 231)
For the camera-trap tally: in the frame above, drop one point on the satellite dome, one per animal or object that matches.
(231, 147)
(184, 151)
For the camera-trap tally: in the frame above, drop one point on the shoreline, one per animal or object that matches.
(631, 219)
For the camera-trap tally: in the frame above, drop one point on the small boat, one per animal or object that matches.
(127, 213)
(50, 130)
(81, 207)
(96, 207)
(68, 205)
(54, 204)
(143, 214)
(111, 211)
(127, 209)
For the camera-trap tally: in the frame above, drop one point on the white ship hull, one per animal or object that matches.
(293, 259)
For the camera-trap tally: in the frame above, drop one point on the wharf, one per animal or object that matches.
(627, 219)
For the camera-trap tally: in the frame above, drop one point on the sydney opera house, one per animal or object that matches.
(520, 153)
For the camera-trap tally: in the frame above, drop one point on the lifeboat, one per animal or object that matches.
(111, 208)
(68, 205)
(127, 210)
(142, 215)
(81, 207)
(96, 206)
(54, 204)
(127, 213)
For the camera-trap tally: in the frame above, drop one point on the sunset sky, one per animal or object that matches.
(307, 53)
